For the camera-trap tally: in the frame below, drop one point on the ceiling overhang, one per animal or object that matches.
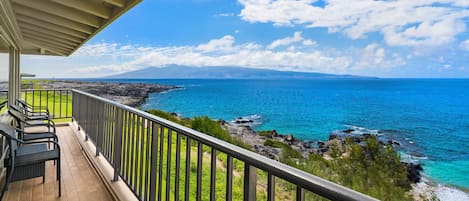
(56, 27)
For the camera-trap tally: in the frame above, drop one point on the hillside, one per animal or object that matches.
(186, 72)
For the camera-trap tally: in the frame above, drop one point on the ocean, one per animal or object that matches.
(430, 117)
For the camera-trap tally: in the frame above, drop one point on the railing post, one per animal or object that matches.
(99, 123)
(118, 143)
(250, 182)
(300, 194)
(86, 117)
(154, 157)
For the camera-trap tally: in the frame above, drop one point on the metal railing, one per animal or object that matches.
(3, 97)
(159, 159)
(58, 101)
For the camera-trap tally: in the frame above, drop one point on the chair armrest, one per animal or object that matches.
(32, 133)
(38, 110)
(36, 117)
(43, 141)
(43, 124)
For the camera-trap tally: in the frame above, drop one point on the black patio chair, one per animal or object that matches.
(29, 116)
(26, 160)
(33, 110)
(25, 123)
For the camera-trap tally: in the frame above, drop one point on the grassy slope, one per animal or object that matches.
(372, 169)
(282, 191)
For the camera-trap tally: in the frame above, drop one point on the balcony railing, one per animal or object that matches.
(161, 160)
(58, 101)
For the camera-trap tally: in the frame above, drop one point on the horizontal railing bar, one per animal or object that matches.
(298, 177)
(29, 90)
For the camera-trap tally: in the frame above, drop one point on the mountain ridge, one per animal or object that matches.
(222, 72)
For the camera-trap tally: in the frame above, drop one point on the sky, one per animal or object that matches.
(403, 38)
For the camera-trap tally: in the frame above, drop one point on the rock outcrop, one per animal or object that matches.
(131, 94)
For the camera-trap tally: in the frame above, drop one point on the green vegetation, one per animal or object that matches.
(213, 128)
(287, 151)
(2, 99)
(59, 103)
(373, 169)
(267, 134)
(204, 125)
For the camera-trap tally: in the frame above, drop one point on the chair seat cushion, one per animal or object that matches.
(30, 149)
(37, 117)
(36, 157)
(36, 136)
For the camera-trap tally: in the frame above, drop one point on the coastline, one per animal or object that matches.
(423, 187)
(131, 94)
(136, 95)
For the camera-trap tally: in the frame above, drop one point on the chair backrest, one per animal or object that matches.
(9, 135)
(17, 108)
(22, 103)
(18, 116)
(12, 143)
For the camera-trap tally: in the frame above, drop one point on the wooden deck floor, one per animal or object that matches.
(79, 181)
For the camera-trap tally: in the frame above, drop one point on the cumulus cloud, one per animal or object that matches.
(465, 45)
(224, 44)
(375, 56)
(286, 41)
(225, 52)
(401, 22)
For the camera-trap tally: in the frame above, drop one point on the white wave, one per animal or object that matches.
(450, 194)
(408, 158)
(429, 189)
(357, 130)
(171, 90)
(250, 120)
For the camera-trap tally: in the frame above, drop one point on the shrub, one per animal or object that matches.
(265, 133)
(274, 143)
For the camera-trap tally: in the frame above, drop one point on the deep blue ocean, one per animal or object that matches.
(430, 117)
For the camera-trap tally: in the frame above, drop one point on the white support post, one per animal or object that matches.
(14, 81)
(18, 73)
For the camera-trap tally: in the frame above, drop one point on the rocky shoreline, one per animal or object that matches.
(324, 148)
(131, 94)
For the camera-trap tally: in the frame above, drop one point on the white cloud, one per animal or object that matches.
(309, 42)
(375, 56)
(286, 41)
(401, 22)
(225, 43)
(291, 40)
(465, 45)
(224, 52)
(224, 15)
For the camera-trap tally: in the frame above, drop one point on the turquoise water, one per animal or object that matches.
(429, 116)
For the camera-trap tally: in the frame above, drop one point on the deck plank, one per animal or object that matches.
(79, 181)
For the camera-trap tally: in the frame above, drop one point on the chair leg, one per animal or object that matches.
(7, 182)
(59, 177)
(43, 179)
(58, 169)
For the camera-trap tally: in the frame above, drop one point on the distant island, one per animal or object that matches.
(223, 72)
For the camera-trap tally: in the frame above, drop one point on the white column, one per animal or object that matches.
(18, 73)
(14, 76)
